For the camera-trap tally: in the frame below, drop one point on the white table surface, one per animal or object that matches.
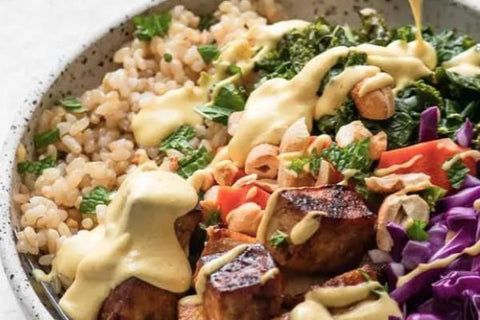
(33, 35)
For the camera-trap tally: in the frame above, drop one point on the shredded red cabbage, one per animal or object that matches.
(464, 135)
(428, 124)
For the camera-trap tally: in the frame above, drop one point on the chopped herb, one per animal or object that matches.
(206, 21)
(298, 164)
(167, 57)
(456, 173)
(233, 69)
(35, 167)
(354, 156)
(154, 25)
(417, 231)
(197, 160)
(43, 139)
(431, 195)
(72, 104)
(179, 140)
(228, 100)
(278, 239)
(99, 195)
(209, 52)
(364, 274)
(213, 219)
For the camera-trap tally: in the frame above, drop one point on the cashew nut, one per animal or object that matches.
(224, 172)
(378, 145)
(233, 121)
(396, 182)
(296, 137)
(263, 161)
(245, 219)
(378, 104)
(353, 132)
(321, 142)
(401, 209)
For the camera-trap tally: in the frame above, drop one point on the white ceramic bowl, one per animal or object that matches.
(92, 61)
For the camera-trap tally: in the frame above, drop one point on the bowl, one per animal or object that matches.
(92, 60)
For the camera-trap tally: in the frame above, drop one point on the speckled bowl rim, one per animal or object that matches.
(26, 297)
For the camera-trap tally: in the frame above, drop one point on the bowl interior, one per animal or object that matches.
(94, 60)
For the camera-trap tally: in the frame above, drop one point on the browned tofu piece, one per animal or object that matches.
(135, 299)
(236, 291)
(341, 239)
(353, 277)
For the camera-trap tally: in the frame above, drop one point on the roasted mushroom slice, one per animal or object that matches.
(135, 299)
(332, 224)
(246, 286)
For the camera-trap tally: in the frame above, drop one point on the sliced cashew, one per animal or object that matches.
(245, 218)
(288, 178)
(263, 161)
(396, 182)
(378, 145)
(202, 179)
(320, 143)
(233, 121)
(269, 185)
(224, 172)
(353, 132)
(375, 105)
(401, 209)
(296, 137)
(326, 173)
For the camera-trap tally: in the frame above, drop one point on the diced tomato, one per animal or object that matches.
(433, 155)
(230, 198)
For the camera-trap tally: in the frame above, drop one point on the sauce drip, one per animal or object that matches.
(354, 297)
(466, 63)
(137, 240)
(306, 228)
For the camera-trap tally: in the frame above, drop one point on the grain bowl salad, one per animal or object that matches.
(241, 165)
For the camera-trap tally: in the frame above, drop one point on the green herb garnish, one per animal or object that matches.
(35, 167)
(43, 139)
(148, 27)
(179, 140)
(417, 232)
(197, 160)
(208, 52)
(298, 164)
(167, 57)
(228, 100)
(206, 21)
(278, 239)
(431, 195)
(99, 195)
(72, 104)
(233, 69)
(456, 173)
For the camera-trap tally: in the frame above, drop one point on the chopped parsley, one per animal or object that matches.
(228, 100)
(456, 173)
(35, 167)
(206, 21)
(153, 25)
(431, 195)
(278, 239)
(354, 156)
(417, 231)
(179, 140)
(298, 164)
(197, 160)
(208, 52)
(99, 195)
(43, 139)
(168, 57)
(72, 104)
(233, 69)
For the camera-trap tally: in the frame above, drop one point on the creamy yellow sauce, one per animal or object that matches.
(347, 175)
(137, 240)
(318, 300)
(267, 215)
(269, 110)
(466, 63)
(378, 81)
(269, 275)
(338, 88)
(386, 171)
(161, 116)
(306, 228)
